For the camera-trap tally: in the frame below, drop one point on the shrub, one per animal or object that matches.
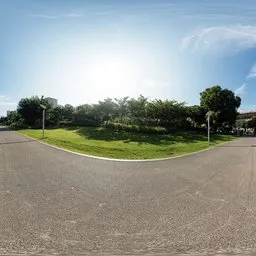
(64, 124)
(20, 124)
(136, 128)
(87, 122)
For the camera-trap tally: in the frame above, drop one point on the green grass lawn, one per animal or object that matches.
(109, 143)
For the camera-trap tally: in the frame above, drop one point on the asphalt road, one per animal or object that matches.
(57, 202)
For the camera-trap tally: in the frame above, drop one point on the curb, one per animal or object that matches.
(125, 160)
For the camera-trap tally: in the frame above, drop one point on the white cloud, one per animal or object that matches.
(46, 16)
(240, 90)
(252, 73)
(43, 16)
(74, 15)
(221, 38)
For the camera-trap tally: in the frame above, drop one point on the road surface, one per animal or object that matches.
(57, 202)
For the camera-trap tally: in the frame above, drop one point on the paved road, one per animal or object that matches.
(53, 201)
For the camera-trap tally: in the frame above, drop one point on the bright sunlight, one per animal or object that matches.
(112, 73)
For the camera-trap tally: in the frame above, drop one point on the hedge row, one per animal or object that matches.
(136, 128)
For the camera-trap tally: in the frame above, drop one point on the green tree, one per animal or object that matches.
(13, 117)
(67, 112)
(121, 107)
(252, 123)
(223, 102)
(86, 115)
(107, 108)
(31, 111)
(54, 116)
(242, 123)
(3, 120)
(138, 109)
(196, 114)
(167, 113)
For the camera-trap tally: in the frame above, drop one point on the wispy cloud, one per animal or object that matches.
(221, 38)
(240, 90)
(252, 73)
(74, 15)
(42, 16)
(65, 15)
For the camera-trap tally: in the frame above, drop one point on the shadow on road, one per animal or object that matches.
(15, 142)
(4, 129)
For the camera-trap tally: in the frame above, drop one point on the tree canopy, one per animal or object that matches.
(30, 109)
(169, 114)
(222, 102)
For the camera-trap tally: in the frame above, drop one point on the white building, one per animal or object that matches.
(8, 112)
(52, 101)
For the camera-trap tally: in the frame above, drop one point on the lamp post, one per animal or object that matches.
(208, 114)
(208, 119)
(43, 120)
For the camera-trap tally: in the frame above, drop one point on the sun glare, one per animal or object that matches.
(112, 74)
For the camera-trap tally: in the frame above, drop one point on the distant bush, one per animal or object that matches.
(88, 122)
(20, 124)
(64, 124)
(240, 132)
(136, 128)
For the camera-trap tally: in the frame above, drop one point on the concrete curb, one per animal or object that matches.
(126, 160)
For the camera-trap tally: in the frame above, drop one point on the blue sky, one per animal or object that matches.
(82, 51)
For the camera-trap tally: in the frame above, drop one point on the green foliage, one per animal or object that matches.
(31, 111)
(134, 113)
(107, 109)
(252, 123)
(138, 110)
(13, 117)
(67, 113)
(222, 102)
(122, 107)
(3, 120)
(136, 128)
(242, 123)
(19, 124)
(197, 115)
(87, 115)
(63, 124)
(168, 113)
(53, 116)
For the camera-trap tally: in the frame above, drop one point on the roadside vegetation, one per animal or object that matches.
(105, 142)
(131, 127)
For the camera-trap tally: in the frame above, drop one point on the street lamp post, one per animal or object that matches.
(43, 120)
(208, 119)
(208, 114)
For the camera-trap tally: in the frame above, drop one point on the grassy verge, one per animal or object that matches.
(108, 143)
